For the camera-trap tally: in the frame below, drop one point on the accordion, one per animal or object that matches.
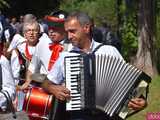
(103, 82)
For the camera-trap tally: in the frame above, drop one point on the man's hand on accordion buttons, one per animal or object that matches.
(61, 92)
(137, 103)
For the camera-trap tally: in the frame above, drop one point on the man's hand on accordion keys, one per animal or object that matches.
(60, 92)
(137, 103)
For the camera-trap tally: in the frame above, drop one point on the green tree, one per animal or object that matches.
(128, 29)
(3, 3)
(146, 57)
(158, 31)
(137, 27)
(100, 10)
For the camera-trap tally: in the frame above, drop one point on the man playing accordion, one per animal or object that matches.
(78, 26)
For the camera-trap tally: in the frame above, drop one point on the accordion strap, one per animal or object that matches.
(97, 48)
(75, 51)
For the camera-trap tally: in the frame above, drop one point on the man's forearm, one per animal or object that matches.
(48, 86)
(59, 91)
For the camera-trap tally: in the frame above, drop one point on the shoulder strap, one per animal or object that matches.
(0, 77)
(23, 63)
(21, 57)
(80, 52)
(97, 48)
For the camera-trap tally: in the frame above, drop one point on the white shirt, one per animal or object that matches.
(8, 81)
(41, 58)
(56, 74)
(1, 31)
(17, 39)
(21, 47)
(7, 35)
(15, 65)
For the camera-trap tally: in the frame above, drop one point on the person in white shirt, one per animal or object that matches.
(8, 83)
(78, 26)
(19, 38)
(27, 48)
(21, 57)
(47, 51)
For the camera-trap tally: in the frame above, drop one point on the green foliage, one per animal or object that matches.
(100, 10)
(158, 7)
(128, 30)
(105, 11)
(158, 24)
(129, 36)
(158, 31)
(4, 3)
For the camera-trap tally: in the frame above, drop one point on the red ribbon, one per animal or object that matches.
(56, 49)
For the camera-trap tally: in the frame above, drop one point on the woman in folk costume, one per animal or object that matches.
(22, 55)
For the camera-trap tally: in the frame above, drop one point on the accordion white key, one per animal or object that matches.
(103, 82)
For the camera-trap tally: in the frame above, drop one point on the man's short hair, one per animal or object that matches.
(82, 17)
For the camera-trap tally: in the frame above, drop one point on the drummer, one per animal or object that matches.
(47, 52)
(21, 56)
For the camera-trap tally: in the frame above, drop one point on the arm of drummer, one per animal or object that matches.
(27, 82)
(34, 67)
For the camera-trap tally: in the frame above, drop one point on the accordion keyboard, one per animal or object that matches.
(72, 82)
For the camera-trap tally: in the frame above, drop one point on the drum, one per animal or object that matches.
(37, 103)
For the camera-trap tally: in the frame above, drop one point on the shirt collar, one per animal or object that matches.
(62, 42)
(92, 46)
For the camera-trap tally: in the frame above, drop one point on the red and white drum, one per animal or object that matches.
(37, 103)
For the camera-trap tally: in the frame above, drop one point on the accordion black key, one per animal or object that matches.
(103, 82)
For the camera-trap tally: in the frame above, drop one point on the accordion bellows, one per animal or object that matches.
(102, 82)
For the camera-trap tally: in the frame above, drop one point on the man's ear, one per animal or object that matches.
(87, 28)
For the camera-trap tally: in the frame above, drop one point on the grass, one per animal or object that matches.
(153, 101)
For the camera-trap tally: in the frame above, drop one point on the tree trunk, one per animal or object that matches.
(146, 54)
